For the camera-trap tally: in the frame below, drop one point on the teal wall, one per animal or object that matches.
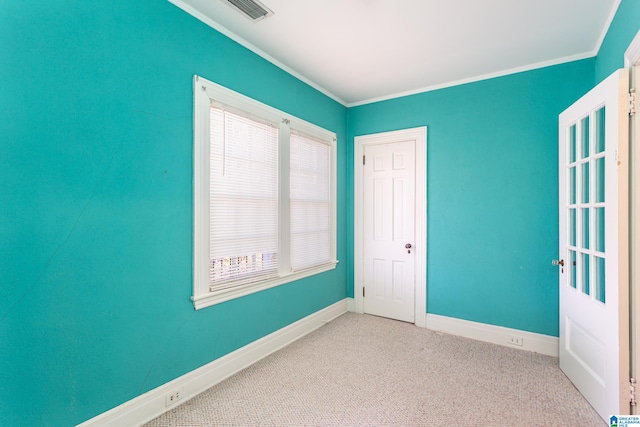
(623, 29)
(492, 183)
(492, 196)
(96, 204)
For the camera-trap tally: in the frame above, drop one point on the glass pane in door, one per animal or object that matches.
(584, 138)
(584, 227)
(599, 130)
(585, 183)
(572, 185)
(572, 269)
(585, 282)
(572, 227)
(600, 280)
(572, 144)
(599, 230)
(599, 163)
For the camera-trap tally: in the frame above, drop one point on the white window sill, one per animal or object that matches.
(217, 297)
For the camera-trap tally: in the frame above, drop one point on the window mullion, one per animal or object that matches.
(284, 224)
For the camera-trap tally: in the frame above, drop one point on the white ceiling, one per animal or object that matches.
(358, 51)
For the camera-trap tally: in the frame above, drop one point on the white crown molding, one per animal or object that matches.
(632, 54)
(216, 26)
(607, 25)
(152, 404)
(223, 30)
(538, 343)
(474, 79)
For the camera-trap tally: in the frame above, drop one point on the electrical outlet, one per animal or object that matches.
(515, 341)
(173, 397)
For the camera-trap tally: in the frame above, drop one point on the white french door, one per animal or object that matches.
(593, 269)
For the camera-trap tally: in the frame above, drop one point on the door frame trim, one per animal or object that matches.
(632, 62)
(419, 135)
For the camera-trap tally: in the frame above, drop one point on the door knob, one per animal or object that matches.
(556, 262)
(408, 247)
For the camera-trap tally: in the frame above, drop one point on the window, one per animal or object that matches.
(310, 201)
(264, 196)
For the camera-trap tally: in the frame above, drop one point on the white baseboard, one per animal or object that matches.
(538, 343)
(152, 404)
(351, 305)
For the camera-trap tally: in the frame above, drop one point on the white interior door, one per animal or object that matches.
(389, 230)
(593, 271)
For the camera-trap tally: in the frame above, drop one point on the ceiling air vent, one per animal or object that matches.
(253, 9)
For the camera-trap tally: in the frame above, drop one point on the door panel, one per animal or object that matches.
(593, 275)
(388, 199)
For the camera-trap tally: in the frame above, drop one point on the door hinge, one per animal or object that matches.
(632, 102)
(363, 160)
(632, 391)
(363, 292)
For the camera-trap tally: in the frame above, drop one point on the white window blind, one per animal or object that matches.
(264, 206)
(310, 201)
(243, 202)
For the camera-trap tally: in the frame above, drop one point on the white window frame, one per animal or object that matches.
(204, 93)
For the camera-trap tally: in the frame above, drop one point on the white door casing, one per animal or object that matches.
(632, 60)
(373, 231)
(634, 282)
(593, 280)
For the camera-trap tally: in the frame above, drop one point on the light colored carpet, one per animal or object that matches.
(362, 370)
